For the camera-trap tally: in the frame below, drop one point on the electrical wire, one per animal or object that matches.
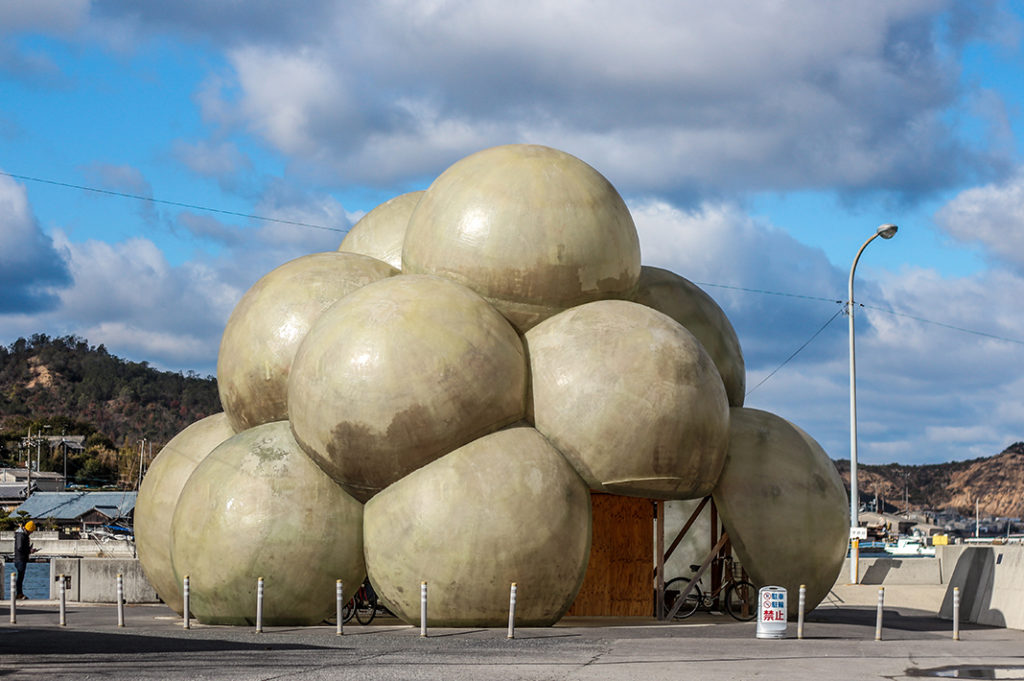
(178, 204)
(796, 352)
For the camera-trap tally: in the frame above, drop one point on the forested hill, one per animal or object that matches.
(79, 389)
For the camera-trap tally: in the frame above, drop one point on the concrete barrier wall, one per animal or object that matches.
(991, 583)
(895, 571)
(94, 580)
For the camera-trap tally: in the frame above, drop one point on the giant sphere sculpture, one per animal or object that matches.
(270, 321)
(380, 233)
(158, 495)
(783, 505)
(402, 372)
(531, 229)
(631, 399)
(685, 302)
(505, 508)
(257, 506)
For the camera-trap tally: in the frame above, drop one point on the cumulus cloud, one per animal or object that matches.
(992, 216)
(32, 268)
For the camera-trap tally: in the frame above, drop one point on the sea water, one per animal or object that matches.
(37, 580)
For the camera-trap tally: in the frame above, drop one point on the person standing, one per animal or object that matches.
(22, 550)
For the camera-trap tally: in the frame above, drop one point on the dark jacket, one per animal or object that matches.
(22, 546)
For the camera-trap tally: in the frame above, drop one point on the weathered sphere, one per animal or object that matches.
(266, 327)
(505, 508)
(784, 506)
(381, 232)
(685, 302)
(531, 229)
(399, 373)
(158, 496)
(257, 506)
(631, 399)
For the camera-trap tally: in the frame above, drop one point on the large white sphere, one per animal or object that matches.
(257, 506)
(505, 508)
(399, 373)
(631, 399)
(381, 232)
(158, 495)
(685, 302)
(266, 327)
(783, 505)
(532, 229)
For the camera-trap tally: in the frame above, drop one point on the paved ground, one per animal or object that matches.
(839, 644)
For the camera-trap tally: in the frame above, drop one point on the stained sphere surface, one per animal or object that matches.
(257, 506)
(532, 229)
(783, 505)
(380, 233)
(399, 373)
(685, 302)
(630, 398)
(270, 321)
(505, 508)
(158, 495)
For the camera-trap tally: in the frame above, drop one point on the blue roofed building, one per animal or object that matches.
(81, 511)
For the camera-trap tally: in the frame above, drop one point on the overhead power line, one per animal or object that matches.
(796, 352)
(179, 204)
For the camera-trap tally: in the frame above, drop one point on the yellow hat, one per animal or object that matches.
(30, 526)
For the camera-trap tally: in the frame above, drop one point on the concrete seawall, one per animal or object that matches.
(94, 580)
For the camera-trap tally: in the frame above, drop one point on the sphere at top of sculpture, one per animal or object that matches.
(783, 504)
(631, 399)
(270, 321)
(685, 302)
(505, 508)
(381, 232)
(531, 229)
(399, 373)
(159, 494)
(257, 506)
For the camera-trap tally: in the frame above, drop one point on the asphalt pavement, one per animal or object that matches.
(839, 643)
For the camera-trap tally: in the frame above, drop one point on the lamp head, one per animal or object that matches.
(887, 231)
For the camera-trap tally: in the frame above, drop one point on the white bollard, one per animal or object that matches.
(878, 619)
(185, 598)
(259, 605)
(120, 600)
(800, 614)
(512, 611)
(14, 598)
(339, 596)
(63, 603)
(956, 613)
(423, 609)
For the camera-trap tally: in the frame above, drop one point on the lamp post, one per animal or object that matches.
(886, 231)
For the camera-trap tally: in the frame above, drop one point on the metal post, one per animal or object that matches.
(956, 613)
(659, 582)
(185, 598)
(14, 598)
(423, 609)
(878, 618)
(800, 614)
(120, 600)
(854, 561)
(63, 603)
(339, 597)
(512, 611)
(259, 605)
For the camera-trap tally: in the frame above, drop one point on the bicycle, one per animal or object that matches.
(740, 595)
(363, 605)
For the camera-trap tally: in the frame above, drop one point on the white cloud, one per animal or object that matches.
(992, 215)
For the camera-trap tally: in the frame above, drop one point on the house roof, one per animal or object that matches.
(72, 505)
(12, 490)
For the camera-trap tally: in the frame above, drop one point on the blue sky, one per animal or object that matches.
(757, 145)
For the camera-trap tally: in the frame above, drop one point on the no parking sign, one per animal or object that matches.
(771, 612)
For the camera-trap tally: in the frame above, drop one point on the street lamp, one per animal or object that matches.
(886, 231)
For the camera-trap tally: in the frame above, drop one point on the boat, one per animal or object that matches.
(909, 546)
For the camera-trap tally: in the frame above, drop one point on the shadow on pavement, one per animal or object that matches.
(36, 641)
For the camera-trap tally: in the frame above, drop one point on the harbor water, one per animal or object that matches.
(37, 580)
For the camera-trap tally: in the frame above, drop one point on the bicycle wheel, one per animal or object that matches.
(366, 609)
(348, 611)
(741, 601)
(673, 588)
